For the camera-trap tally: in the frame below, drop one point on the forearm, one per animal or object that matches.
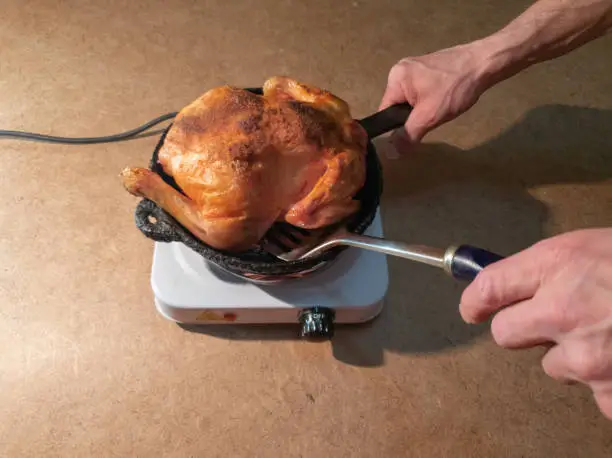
(548, 29)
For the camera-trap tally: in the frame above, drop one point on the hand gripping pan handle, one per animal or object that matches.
(386, 120)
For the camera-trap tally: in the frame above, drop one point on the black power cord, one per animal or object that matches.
(88, 140)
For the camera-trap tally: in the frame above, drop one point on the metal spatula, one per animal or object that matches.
(462, 262)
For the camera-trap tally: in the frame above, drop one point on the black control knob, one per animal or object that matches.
(317, 323)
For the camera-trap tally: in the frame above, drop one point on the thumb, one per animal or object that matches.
(393, 94)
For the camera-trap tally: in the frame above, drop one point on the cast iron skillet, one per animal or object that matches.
(158, 225)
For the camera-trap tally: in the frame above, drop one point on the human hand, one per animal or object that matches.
(440, 86)
(557, 292)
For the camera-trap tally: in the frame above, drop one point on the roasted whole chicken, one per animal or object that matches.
(245, 161)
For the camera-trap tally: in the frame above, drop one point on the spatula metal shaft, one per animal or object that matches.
(419, 253)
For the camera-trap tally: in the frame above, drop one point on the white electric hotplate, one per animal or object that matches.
(189, 289)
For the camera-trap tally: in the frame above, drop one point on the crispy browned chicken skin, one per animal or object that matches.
(245, 161)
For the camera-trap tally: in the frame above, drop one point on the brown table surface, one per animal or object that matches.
(88, 367)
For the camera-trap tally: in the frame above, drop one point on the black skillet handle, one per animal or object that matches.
(386, 120)
(466, 261)
(155, 223)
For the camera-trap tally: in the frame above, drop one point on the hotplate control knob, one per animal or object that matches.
(317, 323)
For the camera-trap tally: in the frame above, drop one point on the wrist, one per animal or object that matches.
(497, 58)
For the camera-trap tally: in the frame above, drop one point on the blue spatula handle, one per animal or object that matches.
(466, 261)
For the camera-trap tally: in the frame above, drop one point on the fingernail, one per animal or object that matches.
(467, 319)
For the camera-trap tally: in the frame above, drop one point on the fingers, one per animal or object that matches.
(604, 402)
(416, 127)
(585, 358)
(503, 283)
(562, 363)
(523, 325)
(419, 123)
(400, 89)
(581, 356)
(393, 94)
(555, 365)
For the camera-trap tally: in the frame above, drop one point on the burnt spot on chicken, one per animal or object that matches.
(242, 151)
(239, 100)
(191, 124)
(305, 124)
(303, 110)
(239, 166)
(250, 124)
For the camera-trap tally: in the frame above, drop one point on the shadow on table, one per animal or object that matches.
(441, 195)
